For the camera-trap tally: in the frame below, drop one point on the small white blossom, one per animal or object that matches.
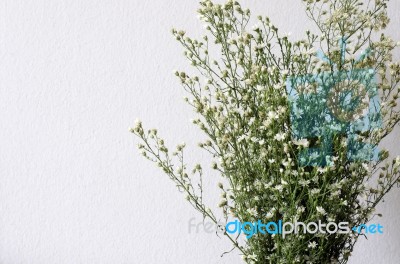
(267, 123)
(302, 142)
(273, 115)
(321, 210)
(260, 88)
(279, 188)
(304, 182)
(280, 136)
(269, 215)
(315, 191)
(252, 258)
(301, 209)
(312, 244)
(252, 211)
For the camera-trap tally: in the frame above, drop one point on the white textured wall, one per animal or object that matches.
(73, 77)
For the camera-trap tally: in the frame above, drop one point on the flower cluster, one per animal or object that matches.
(242, 107)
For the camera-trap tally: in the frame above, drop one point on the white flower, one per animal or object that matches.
(251, 121)
(252, 258)
(267, 185)
(267, 123)
(315, 191)
(273, 115)
(279, 188)
(304, 182)
(271, 161)
(302, 142)
(365, 166)
(137, 122)
(242, 137)
(260, 88)
(312, 244)
(282, 109)
(301, 209)
(280, 136)
(321, 210)
(137, 126)
(269, 215)
(252, 211)
(285, 147)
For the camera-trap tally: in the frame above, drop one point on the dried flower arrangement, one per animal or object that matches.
(245, 109)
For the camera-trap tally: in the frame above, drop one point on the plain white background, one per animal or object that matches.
(74, 75)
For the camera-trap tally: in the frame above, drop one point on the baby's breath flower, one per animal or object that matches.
(279, 187)
(304, 183)
(321, 210)
(252, 211)
(315, 191)
(312, 244)
(302, 142)
(301, 209)
(280, 136)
